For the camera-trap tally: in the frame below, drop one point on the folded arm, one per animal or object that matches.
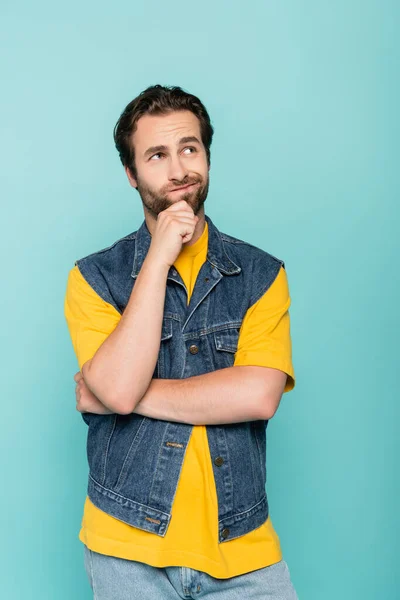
(232, 395)
(104, 343)
(120, 371)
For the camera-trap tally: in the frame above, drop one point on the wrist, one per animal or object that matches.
(156, 263)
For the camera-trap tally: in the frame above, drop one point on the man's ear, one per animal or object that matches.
(131, 178)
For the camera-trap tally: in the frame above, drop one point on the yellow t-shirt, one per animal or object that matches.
(192, 536)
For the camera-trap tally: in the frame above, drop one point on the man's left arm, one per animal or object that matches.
(231, 395)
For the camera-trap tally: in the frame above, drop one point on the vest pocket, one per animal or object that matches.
(227, 340)
(226, 343)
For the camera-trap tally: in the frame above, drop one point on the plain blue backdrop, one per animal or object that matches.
(304, 98)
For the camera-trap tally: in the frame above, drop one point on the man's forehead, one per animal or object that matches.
(159, 128)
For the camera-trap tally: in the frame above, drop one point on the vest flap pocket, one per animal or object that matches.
(227, 340)
(166, 331)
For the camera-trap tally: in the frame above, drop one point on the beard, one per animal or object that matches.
(157, 200)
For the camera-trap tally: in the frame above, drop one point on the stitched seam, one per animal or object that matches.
(246, 511)
(129, 500)
(208, 330)
(263, 289)
(93, 285)
(129, 237)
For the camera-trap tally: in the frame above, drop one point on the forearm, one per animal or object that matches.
(231, 395)
(120, 371)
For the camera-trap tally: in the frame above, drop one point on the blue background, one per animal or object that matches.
(304, 97)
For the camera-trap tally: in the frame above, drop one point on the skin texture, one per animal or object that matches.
(169, 154)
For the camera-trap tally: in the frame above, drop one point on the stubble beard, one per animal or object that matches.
(156, 202)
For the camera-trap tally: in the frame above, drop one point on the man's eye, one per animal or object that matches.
(158, 154)
(190, 148)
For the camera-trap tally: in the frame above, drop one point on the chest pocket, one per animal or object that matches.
(226, 343)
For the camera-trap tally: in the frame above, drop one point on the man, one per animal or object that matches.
(183, 342)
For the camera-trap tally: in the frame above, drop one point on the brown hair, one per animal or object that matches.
(158, 100)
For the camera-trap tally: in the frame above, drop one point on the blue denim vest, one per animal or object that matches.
(134, 461)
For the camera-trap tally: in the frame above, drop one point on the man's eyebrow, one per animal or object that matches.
(184, 140)
(190, 138)
(154, 150)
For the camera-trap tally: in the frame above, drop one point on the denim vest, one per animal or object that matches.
(134, 461)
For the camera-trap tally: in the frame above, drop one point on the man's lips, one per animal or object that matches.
(186, 187)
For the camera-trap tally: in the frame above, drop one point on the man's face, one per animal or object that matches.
(169, 154)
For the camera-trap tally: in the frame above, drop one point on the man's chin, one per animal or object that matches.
(190, 197)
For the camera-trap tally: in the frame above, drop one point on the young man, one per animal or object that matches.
(182, 336)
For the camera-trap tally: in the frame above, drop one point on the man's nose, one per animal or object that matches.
(176, 169)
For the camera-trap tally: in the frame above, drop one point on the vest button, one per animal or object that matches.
(193, 349)
(225, 533)
(219, 461)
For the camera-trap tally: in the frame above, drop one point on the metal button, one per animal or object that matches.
(219, 461)
(225, 533)
(193, 349)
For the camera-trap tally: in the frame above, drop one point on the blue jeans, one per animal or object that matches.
(118, 579)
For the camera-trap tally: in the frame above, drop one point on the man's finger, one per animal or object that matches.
(180, 205)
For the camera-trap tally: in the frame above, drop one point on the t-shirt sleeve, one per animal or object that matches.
(264, 338)
(90, 319)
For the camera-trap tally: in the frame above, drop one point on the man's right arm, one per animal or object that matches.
(121, 369)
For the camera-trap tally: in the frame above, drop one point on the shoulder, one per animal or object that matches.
(114, 258)
(246, 252)
(259, 268)
(105, 269)
(119, 250)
